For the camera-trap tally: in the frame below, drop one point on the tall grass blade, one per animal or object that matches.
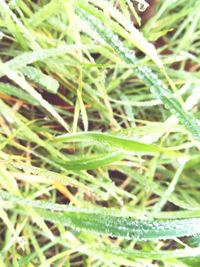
(115, 226)
(123, 144)
(157, 87)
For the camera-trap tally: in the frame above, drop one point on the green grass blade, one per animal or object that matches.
(27, 58)
(123, 144)
(131, 254)
(52, 176)
(54, 6)
(92, 162)
(115, 226)
(125, 227)
(46, 82)
(12, 90)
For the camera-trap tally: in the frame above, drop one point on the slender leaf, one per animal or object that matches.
(46, 82)
(12, 90)
(115, 226)
(123, 144)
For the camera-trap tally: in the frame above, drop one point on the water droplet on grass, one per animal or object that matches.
(142, 6)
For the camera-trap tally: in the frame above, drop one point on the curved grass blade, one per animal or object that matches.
(12, 90)
(100, 222)
(157, 87)
(46, 82)
(115, 142)
(27, 58)
(20, 80)
(93, 162)
(131, 254)
(124, 227)
(53, 176)
(45, 12)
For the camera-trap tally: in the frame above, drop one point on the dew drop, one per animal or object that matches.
(1, 35)
(142, 6)
(22, 242)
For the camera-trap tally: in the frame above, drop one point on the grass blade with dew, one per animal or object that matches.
(27, 58)
(157, 87)
(14, 91)
(46, 82)
(120, 143)
(93, 162)
(122, 26)
(100, 222)
(20, 80)
(45, 12)
(53, 176)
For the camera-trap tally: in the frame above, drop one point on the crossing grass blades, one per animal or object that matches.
(99, 133)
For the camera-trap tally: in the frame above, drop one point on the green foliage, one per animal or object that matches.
(99, 133)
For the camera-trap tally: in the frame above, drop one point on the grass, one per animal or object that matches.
(99, 134)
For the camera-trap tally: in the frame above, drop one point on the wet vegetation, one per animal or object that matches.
(99, 133)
